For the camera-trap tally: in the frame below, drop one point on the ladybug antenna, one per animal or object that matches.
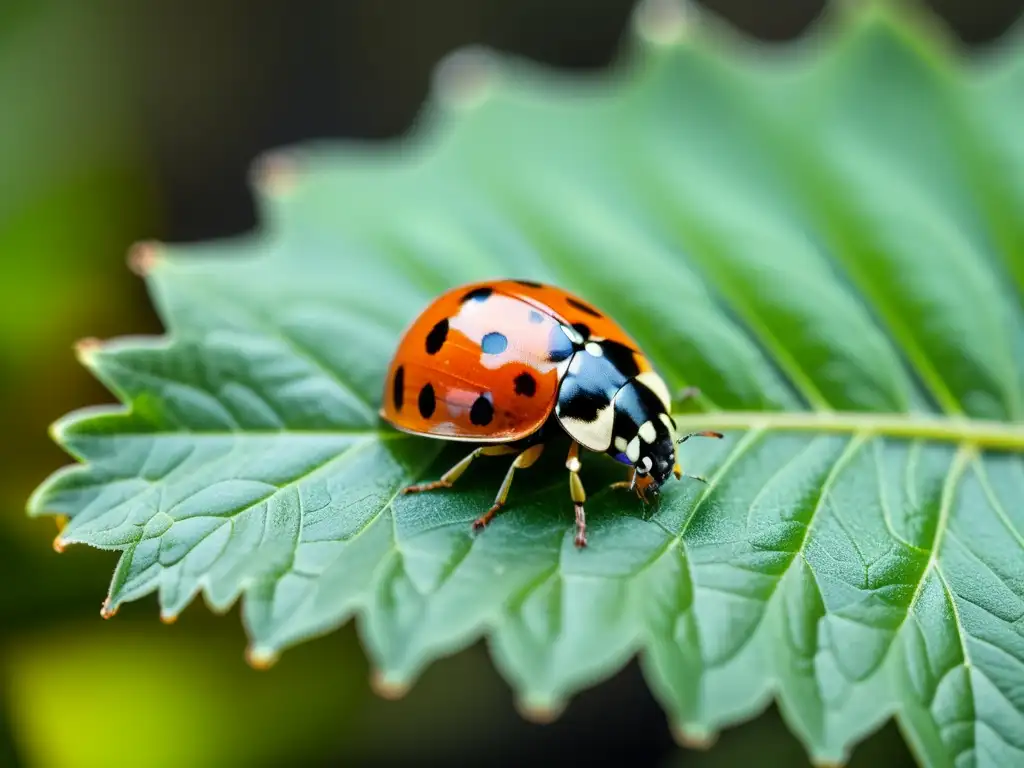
(684, 438)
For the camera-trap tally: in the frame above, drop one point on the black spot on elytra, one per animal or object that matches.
(482, 411)
(636, 404)
(525, 384)
(652, 403)
(494, 343)
(582, 329)
(582, 307)
(535, 316)
(437, 336)
(575, 402)
(398, 388)
(478, 294)
(632, 408)
(530, 283)
(622, 357)
(592, 387)
(427, 402)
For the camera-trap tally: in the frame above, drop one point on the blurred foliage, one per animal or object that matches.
(823, 240)
(157, 696)
(79, 180)
(76, 188)
(182, 705)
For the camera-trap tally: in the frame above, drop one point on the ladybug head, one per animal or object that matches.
(658, 461)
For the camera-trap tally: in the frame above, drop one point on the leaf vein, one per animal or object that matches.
(275, 330)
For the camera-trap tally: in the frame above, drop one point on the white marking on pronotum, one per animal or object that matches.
(620, 444)
(594, 350)
(646, 464)
(633, 449)
(595, 435)
(667, 422)
(647, 432)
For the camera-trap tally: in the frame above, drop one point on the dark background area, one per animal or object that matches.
(123, 120)
(362, 69)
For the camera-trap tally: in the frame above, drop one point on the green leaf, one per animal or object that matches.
(826, 239)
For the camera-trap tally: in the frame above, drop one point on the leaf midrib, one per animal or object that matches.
(973, 432)
(978, 432)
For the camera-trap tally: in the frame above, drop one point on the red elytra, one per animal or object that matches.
(499, 363)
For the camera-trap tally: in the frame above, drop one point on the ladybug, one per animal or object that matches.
(500, 363)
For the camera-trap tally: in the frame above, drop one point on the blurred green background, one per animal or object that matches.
(124, 120)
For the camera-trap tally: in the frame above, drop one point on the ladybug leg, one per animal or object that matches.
(525, 459)
(453, 474)
(626, 485)
(679, 475)
(579, 496)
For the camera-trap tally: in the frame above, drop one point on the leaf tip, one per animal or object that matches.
(694, 737)
(464, 77)
(260, 658)
(56, 432)
(86, 349)
(275, 173)
(541, 712)
(387, 687)
(108, 609)
(144, 257)
(664, 22)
